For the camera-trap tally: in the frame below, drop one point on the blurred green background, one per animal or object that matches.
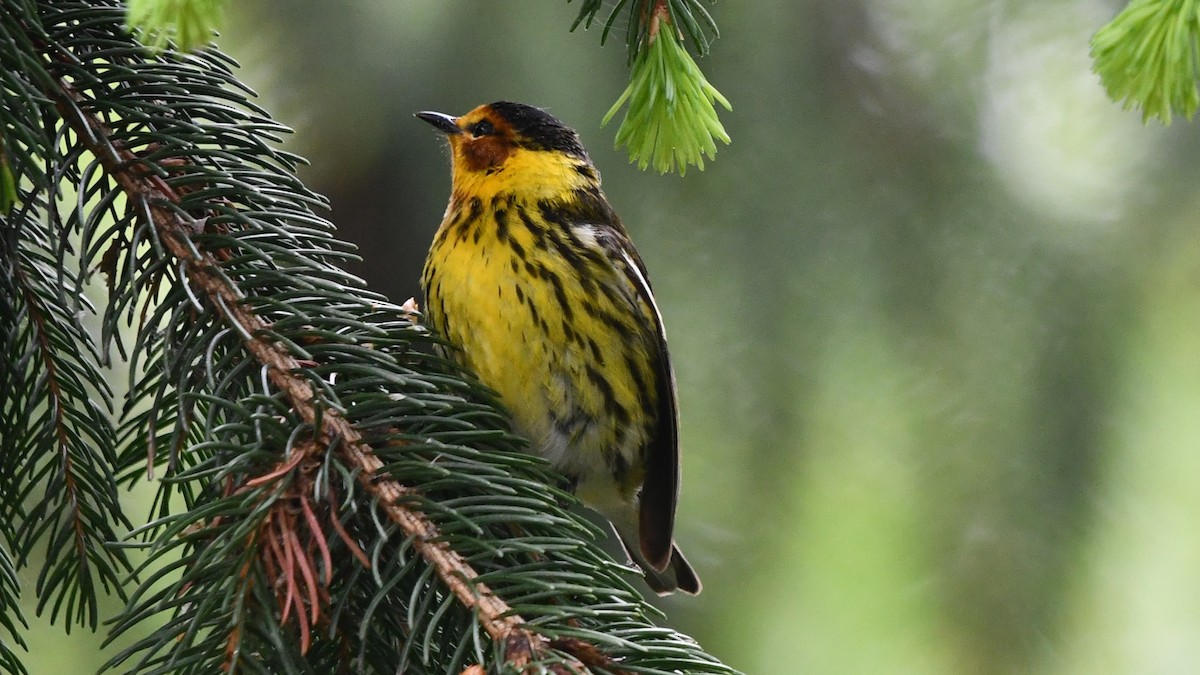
(934, 313)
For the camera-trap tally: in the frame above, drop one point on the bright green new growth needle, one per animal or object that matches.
(189, 23)
(1147, 57)
(671, 120)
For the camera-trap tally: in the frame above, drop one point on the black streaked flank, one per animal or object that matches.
(502, 225)
(620, 415)
(606, 390)
(517, 248)
(569, 332)
(612, 321)
(639, 378)
(559, 292)
(533, 314)
(568, 246)
(535, 227)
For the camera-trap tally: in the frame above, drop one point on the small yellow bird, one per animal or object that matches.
(533, 278)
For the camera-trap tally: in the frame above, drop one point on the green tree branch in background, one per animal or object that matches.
(334, 496)
(1147, 57)
(671, 121)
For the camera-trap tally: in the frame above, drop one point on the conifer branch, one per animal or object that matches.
(203, 272)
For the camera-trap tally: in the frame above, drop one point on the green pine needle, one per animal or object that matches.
(671, 121)
(1147, 58)
(188, 23)
(8, 183)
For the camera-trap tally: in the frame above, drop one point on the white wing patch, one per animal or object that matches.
(585, 233)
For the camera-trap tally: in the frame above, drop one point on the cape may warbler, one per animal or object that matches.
(533, 278)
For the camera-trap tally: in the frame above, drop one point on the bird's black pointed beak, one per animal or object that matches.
(440, 121)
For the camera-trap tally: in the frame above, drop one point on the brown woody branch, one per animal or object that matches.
(494, 615)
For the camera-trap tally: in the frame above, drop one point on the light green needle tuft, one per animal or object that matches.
(1147, 57)
(190, 24)
(671, 121)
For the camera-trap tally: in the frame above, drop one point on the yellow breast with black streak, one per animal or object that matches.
(528, 291)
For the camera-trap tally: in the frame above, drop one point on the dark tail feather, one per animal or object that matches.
(677, 575)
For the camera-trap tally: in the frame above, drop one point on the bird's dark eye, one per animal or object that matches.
(482, 128)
